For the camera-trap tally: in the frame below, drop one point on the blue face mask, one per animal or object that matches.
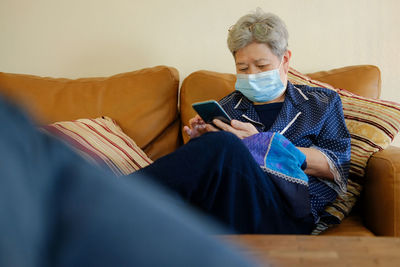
(260, 87)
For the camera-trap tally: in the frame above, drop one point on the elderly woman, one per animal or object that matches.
(236, 172)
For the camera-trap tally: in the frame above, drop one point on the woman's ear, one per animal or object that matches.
(286, 59)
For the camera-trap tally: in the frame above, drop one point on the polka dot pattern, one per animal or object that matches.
(310, 117)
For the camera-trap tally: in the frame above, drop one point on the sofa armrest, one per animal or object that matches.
(381, 196)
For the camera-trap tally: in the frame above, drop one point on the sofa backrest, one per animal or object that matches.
(143, 103)
(203, 85)
(364, 80)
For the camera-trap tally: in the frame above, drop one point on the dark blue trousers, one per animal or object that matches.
(58, 210)
(217, 174)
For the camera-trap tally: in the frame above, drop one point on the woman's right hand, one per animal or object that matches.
(197, 127)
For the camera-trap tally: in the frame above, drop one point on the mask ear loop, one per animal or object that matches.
(280, 65)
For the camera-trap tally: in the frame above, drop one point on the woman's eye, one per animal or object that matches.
(261, 66)
(243, 69)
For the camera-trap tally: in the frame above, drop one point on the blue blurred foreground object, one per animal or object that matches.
(57, 210)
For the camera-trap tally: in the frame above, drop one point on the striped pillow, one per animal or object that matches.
(372, 124)
(101, 141)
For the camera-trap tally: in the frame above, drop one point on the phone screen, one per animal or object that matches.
(209, 110)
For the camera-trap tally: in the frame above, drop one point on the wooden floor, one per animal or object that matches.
(295, 250)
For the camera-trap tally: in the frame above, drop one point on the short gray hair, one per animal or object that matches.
(259, 27)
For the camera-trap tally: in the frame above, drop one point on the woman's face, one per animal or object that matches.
(258, 57)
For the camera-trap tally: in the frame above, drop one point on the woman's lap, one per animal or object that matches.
(217, 174)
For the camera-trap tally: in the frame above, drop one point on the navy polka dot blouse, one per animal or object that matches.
(310, 117)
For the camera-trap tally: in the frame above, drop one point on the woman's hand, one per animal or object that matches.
(238, 128)
(198, 127)
(317, 164)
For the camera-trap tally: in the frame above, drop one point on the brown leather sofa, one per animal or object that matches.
(145, 104)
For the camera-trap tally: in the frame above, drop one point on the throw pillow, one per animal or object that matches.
(102, 142)
(372, 124)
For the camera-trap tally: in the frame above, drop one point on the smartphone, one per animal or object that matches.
(209, 110)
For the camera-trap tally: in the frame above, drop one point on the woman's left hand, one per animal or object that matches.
(238, 128)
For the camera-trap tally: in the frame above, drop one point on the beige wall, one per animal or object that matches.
(79, 38)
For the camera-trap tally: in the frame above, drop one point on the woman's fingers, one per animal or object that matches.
(198, 127)
(239, 125)
(211, 128)
(223, 126)
(240, 129)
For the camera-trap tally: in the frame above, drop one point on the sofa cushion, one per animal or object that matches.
(350, 226)
(200, 86)
(143, 103)
(101, 141)
(364, 80)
